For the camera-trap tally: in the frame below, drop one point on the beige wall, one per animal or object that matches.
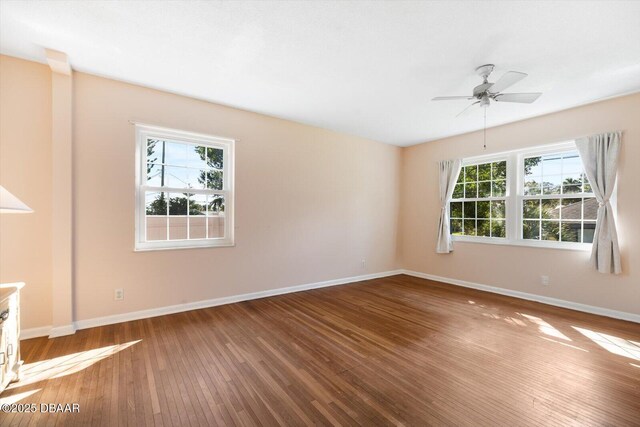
(25, 170)
(519, 268)
(310, 203)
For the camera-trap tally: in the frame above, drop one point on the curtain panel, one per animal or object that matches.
(599, 154)
(449, 171)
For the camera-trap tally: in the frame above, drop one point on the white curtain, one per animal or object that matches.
(599, 154)
(449, 170)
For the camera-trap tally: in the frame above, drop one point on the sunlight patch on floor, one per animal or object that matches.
(613, 344)
(545, 327)
(65, 365)
(565, 344)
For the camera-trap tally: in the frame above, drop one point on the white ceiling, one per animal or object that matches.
(364, 68)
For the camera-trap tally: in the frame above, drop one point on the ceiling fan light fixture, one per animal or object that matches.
(485, 92)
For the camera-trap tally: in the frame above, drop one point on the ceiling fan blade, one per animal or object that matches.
(509, 78)
(469, 109)
(524, 98)
(451, 98)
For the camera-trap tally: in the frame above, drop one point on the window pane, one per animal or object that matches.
(198, 178)
(499, 188)
(571, 163)
(470, 227)
(571, 231)
(215, 216)
(154, 175)
(177, 216)
(471, 190)
(214, 179)
(482, 210)
(552, 184)
(550, 209)
(197, 204)
(498, 209)
(572, 183)
(177, 177)
(177, 227)
(197, 227)
(156, 228)
(590, 207)
(498, 228)
(156, 216)
(197, 220)
(456, 226)
(571, 209)
(456, 210)
(154, 149)
(178, 204)
(533, 167)
(215, 158)
(484, 189)
(458, 191)
(484, 227)
(471, 173)
(469, 210)
(532, 187)
(587, 185)
(215, 204)
(551, 230)
(499, 170)
(155, 203)
(196, 157)
(531, 208)
(484, 172)
(551, 165)
(531, 230)
(588, 228)
(175, 153)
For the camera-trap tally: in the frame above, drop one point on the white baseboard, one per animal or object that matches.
(61, 331)
(631, 317)
(41, 331)
(154, 312)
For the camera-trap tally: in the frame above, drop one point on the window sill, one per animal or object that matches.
(580, 247)
(172, 248)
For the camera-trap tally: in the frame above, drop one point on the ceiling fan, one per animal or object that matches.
(485, 92)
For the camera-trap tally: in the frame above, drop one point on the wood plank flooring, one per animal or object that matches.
(392, 351)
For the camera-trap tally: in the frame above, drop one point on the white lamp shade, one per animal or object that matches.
(11, 204)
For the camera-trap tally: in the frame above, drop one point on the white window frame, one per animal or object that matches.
(143, 132)
(515, 196)
(499, 157)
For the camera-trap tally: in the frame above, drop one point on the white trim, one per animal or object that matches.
(601, 311)
(142, 132)
(41, 331)
(545, 244)
(515, 195)
(161, 311)
(61, 331)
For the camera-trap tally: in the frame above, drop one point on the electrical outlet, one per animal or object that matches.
(544, 280)
(119, 294)
(363, 263)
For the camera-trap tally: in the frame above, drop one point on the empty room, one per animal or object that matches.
(345, 213)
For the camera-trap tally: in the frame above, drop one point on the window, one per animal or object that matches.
(184, 189)
(557, 203)
(534, 197)
(479, 200)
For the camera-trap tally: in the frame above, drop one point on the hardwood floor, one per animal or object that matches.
(398, 350)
